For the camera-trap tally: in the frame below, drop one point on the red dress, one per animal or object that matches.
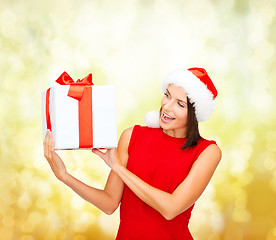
(157, 159)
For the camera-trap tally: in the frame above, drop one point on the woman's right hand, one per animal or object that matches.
(52, 157)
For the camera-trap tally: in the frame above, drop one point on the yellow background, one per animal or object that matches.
(134, 45)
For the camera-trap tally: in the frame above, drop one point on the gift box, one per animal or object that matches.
(80, 114)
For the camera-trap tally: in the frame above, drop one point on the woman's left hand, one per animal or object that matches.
(110, 157)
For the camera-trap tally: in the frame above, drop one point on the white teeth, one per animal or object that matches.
(168, 116)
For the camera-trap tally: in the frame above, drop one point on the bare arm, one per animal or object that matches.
(107, 199)
(170, 205)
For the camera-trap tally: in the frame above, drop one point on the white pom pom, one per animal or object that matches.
(152, 119)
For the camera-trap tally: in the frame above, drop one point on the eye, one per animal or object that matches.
(166, 94)
(181, 105)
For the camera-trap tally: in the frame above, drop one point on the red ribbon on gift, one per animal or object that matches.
(80, 90)
(76, 89)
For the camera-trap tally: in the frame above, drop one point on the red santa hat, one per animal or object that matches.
(199, 89)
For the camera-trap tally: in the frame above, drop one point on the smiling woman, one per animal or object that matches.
(192, 109)
(186, 108)
(156, 174)
(174, 112)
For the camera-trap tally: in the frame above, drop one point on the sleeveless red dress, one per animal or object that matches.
(157, 159)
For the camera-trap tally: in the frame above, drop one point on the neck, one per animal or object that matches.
(177, 133)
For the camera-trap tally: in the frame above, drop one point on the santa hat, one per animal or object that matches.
(199, 89)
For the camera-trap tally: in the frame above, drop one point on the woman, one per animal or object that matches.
(157, 172)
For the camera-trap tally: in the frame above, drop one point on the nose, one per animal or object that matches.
(168, 105)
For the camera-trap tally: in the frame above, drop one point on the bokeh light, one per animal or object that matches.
(134, 45)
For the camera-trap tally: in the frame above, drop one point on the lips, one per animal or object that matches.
(166, 118)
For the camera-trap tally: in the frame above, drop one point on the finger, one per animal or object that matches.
(47, 133)
(52, 150)
(48, 144)
(98, 152)
(52, 144)
(45, 138)
(95, 150)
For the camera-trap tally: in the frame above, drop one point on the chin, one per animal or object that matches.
(166, 126)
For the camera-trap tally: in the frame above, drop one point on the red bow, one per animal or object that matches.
(76, 88)
(80, 90)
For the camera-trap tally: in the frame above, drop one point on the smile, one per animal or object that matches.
(166, 118)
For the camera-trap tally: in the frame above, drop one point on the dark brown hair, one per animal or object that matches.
(192, 133)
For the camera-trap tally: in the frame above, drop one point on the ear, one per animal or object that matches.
(152, 119)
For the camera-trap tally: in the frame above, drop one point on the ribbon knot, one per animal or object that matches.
(76, 89)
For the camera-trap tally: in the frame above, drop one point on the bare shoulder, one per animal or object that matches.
(126, 134)
(214, 148)
(125, 137)
(212, 152)
(127, 131)
(123, 145)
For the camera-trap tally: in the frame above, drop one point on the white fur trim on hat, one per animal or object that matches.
(152, 119)
(196, 91)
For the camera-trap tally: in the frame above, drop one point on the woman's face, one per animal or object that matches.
(174, 111)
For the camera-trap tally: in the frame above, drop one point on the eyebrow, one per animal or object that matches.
(177, 99)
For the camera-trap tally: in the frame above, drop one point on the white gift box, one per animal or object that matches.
(64, 112)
